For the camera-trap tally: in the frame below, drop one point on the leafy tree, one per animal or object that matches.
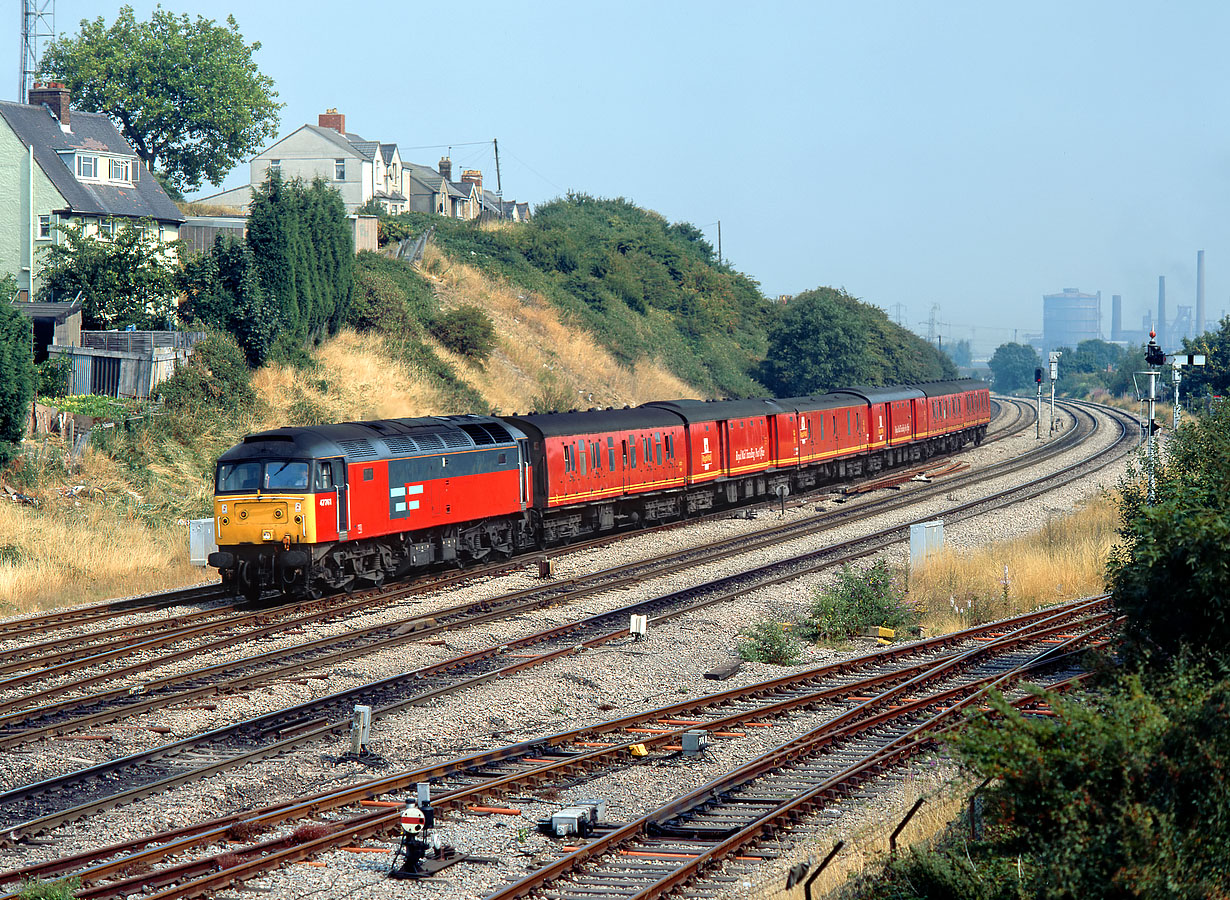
(123, 280)
(825, 338)
(1012, 366)
(1169, 575)
(1214, 376)
(962, 353)
(1092, 356)
(1120, 795)
(16, 370)
(186, 94)
(215, 381)
(223, 289)
(301, 241)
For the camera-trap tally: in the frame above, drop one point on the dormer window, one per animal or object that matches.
(87, 166)
(120, 170)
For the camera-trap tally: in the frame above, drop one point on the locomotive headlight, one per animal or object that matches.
(266, 535)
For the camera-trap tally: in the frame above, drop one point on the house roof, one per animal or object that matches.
(388, 151)
(341, 142)
(366, 149)
(425, 187)
(36, 127)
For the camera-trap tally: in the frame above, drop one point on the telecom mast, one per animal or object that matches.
(38, 27)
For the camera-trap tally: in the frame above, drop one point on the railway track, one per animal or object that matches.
(60, 658)
(275, 732)
(74, 619)
(851, 701)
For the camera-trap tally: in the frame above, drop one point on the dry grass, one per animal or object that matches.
(539, 352)
(75, 551)
(1065, 559)
(356, 379)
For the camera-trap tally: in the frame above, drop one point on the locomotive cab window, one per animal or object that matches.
(235, 477)
(286, 475)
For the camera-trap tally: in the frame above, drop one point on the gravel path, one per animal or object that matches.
(622, 677)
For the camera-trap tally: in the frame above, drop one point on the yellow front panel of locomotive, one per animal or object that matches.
(263, 519)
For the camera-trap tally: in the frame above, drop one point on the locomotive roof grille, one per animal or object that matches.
(358, 449)
(400, 443)
(478, 434)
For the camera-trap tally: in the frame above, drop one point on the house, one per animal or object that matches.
(60, 165)
(361, 171)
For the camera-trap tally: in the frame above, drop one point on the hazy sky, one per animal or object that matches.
(973, 155)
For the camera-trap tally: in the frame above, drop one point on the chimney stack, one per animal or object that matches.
(473, 176)
(446, 168)
(1199, 292)
(1116, 317)
(55, 95)
(331, 118)
(1160, 327)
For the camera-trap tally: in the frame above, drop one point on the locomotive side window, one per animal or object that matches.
(324, 477)
(657, 439)
(233, 477)
(502, 459)
(581, 455)
(369, 473)
(567, 458)
(610, 450)
(632, 448)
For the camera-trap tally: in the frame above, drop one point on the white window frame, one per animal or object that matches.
(339, 170)
(44, 228)
(275, 165)
(119, 169)
(87, 161)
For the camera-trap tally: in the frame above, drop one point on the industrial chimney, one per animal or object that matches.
(1160, 327)
(1199, 292)
(1116, 317)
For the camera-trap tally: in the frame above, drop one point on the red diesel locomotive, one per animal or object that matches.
(307, 510)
